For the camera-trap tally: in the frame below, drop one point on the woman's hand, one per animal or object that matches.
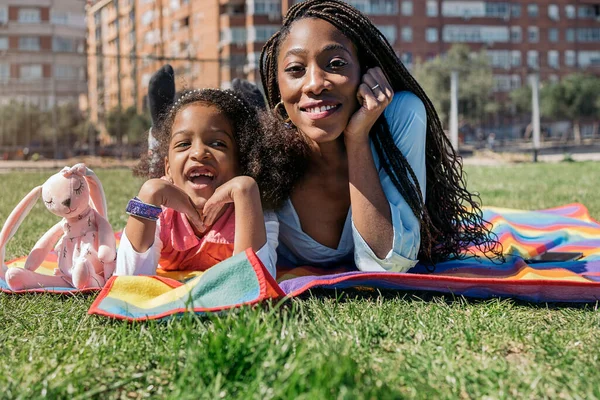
(240, 188)
(374, 94)
(160, 192)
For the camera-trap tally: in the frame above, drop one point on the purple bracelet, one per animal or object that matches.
(138, 208)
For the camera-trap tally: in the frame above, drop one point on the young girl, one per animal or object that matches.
(207, 206)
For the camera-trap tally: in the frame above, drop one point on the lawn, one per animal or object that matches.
(349, 345)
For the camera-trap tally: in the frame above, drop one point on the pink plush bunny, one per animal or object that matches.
(83, 239)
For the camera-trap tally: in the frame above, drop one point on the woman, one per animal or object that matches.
(384, 186)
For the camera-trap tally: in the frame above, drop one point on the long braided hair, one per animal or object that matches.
(452, 224)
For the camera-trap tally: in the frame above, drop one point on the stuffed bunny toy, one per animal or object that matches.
(83, 240)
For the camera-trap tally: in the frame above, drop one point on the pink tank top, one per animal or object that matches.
(183, 250)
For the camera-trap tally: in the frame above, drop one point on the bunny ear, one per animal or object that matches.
(96, 192)
(15, 218)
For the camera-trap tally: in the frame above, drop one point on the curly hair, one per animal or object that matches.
(452, 224)
(263, 145)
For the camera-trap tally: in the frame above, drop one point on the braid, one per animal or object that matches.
(452, 224)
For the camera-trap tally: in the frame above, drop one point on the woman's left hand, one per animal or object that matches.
(374, 94)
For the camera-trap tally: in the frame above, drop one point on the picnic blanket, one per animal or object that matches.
(242, 279)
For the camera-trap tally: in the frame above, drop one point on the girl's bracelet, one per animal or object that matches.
(138, 208)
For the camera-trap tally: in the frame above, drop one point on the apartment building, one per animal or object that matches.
(211, 42)
(551, 37)
(42, 52)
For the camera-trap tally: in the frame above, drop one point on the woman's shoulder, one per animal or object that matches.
(405, 102)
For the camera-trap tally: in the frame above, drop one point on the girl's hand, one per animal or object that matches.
(240, 188)
(374, 94)
(160, 192)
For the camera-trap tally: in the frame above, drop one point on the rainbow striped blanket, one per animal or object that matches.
(243, 280)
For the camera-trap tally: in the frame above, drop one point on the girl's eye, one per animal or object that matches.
(182, 144)
(218, 143)
(79, 190)
(337, 63)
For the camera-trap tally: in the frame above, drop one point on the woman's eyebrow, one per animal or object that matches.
(299, 51)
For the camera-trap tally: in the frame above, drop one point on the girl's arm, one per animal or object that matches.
(158, 192)
(243, 192)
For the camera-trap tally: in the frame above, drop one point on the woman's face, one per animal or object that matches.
(318, 74)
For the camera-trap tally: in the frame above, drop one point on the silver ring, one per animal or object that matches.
(375, 87)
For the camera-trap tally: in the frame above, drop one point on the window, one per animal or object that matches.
(432, 8)
(499, 58)
(515, 81)
(389, 31)
(553, 12)
(475, 34)
(553, 34)
(533, 34)
(407, 34)
(497, 10)
(553, 59)
(383, 7)
(4, 72)
(59, 17)
(3, 43)
(515, 58)
(516, 35)
(66, 72)
(407, 7)
(570, 35)
(588, 58)
(532, 59)
(3, 15)
(586, 12)
(570, 12)
(266, 7)
(29, 43)
(407, 58)
(431, 35)
(29, 15)
(260, 33)
(570, 57)
(502, 83)
(588, 35)
(533, 10)
(32, 71)
(63, 45)
(235, 35)
(147, 17)
(515, 10)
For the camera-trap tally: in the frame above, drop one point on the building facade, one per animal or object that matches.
(42, 52)
(211, 42)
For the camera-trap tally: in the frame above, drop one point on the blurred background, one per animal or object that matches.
(74, 74)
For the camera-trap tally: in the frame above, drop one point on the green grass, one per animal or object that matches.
(350, 345)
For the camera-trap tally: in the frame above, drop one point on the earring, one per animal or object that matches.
(281, 114)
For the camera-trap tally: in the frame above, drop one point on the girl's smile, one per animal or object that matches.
(202, 152)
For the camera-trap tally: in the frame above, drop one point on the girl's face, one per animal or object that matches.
(318, 74)
(202, 152)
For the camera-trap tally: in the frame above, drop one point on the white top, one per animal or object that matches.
(130, 262)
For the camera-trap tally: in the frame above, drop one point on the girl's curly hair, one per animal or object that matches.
(274, 156)
(451, 218)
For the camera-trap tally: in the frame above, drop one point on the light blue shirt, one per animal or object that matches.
(407, 120)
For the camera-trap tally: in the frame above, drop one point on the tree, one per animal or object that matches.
(128, 123)
(475, 83)
(575, 97)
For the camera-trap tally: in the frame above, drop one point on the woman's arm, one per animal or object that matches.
(370, 209)
(130, 262)
(268, 253)
(407, 120)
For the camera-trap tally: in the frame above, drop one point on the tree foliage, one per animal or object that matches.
(127, 124)
(475, 83)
